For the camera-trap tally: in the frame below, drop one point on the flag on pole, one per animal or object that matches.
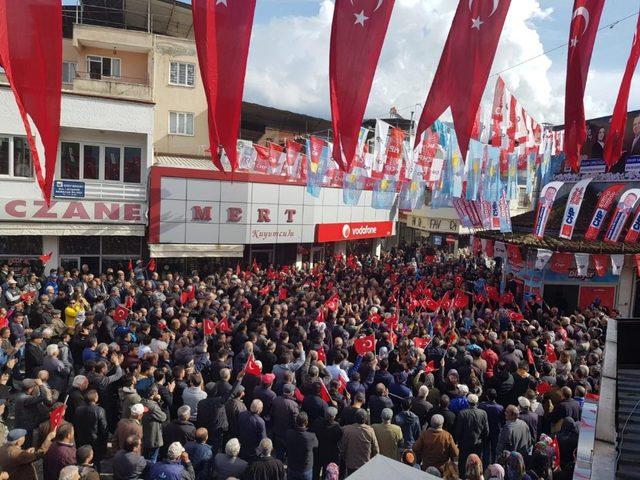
(56, 416)
(252, 367)
(31, 56)
(222, 31)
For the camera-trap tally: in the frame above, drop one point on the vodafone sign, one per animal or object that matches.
(338, 232)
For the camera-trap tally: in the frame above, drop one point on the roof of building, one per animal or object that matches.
(384, 468)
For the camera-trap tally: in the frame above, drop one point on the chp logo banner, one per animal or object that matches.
(627, 203)
(338, 232)
(571, 211)
(634, 230)
(547, 197)
(605, 202)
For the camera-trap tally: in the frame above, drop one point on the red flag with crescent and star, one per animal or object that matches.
(357, 35)
(551, 353)
(365, 344)
(421, 342)
(31, 55)
(223, 326)
(56, 416)
(45, 257)
(222, 30)
(208, 326)
(251, 367)
(582, 35)
(464, 66)
(121, 313)
(615, 137)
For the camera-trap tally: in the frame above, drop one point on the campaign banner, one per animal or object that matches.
(617, 262)
(542, 258)
(505, 214)
(626, 205)
(582, 263)
(474, 214)
(634, 230)
(495, 216)
(571, 211)
(605, 202)
(500, 250)
(545, 204)
(458, 205)
(473, 165)
(485, 209)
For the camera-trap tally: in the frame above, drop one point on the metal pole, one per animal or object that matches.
(77, 10)
(149, 16)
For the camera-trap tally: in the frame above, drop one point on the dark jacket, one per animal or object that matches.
(75, 400)
(252, 431)
(33, 358)
(152, 424)
(515, 437)
(171, 471)
(421, 408)
(566, 408)
(376, 405)
(201, 457)
(226, 467)
(178, 431)
(90, 426)
(472, 428)
(495, 415)
(212, 415)
(329, 434)
(531, 419)
(25, 411)
(314, 406)
(410, 425)
(300, 444)
(283, 415)
(57, 457)
(265, 468)
(128, 465)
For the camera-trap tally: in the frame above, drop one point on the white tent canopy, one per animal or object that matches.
(383, 468)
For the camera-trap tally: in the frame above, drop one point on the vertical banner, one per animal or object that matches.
(605, 202)
(571, 211)
(293, 160)
(634, 230)
(474, 162)
(500, 250)
(222, 31)
(318, 157)
(277, 158)
(601, 263)
(393, 161)
(617, 262)
(545, 204)
(380, 148)
(31, 55)
(582, 264)
(262, 162)
(637, 259)
(246, 155)
(542, 258)
(626, 205)
(505, 214)
(497, 115)
(384, 194)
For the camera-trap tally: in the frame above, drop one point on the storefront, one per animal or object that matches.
(206, 214)
(440, 232)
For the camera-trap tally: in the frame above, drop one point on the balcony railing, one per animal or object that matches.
(126, 87)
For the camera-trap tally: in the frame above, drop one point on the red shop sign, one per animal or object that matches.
(338, 232)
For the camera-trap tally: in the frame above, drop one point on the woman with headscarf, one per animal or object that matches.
(494, 472)
(568, 440)
(515, 469)
(474, 468)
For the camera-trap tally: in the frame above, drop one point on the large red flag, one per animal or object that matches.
(464, 66)
(31, 55)
(357, 34)
(613, 145)
(582, 35)
(222, 31)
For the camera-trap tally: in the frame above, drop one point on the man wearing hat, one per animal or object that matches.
(25, 405)
(33, 355)
(12, 294)
(18, 462)
(177, 466)
(472, 429)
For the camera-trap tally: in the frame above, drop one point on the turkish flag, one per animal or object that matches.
(332, 303)
(357, 34)
(543, 387)
(430, 367)
(222, 30)
(460, 300)
(320, 315)
(322, 356)
(151, 266)
(613, 145)
(56, 416)
(497, 115)
(121, 314)
(324, 393)
(530, 358)
(582, 35)
(342, 385)
(492, 293)
(419, 342)
(430, 304)
(282, 293)
(551, 353)
(130, 265)
(184, 297)
(45, 257)
(464, 67)
(208, 327)
(516, 316)
(365, 344)
(4, 322)
(264, 290)
(31, 55)
(556, 452)
(506, 298)
(375, 318)
(192, 292)
(251, 367)
(445, 301)
(392, 322)
(601, 262)
(223, 326)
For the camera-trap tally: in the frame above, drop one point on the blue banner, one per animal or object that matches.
(384, 194)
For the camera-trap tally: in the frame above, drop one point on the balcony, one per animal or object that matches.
(122, 87)
(92, 36)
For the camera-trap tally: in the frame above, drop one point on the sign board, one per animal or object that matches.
(73, 211)
(430, 224)
(338, 232)
(202, 211)
(68, 189)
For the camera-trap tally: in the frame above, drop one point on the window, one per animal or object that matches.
(21, 245)
(182, 74)
(112, 163)
(91, 167)
(180, 123)
(21, 158)
(70, 160)
(132, 164)
(68, 72)
(524, 200)
(4, 156)
(99, 67)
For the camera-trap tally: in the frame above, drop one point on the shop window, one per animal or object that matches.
(91, 165)
(132, 164)
(4, 156)
(112, 163)
(121, 246)
(70, 160)
(21, 158)
(21, 245)
(79, 245)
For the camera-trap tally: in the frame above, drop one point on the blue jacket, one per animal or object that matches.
(201, 457)
(409, 423)
(458, 404)
(166, 471)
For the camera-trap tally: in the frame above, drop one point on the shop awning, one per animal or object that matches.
(186, 250)
(62, 229)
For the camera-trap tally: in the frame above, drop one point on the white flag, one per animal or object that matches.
(542, 258)
(617, 262)
(582, 264)
(499, 250)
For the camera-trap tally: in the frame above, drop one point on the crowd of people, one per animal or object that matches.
(273, 372)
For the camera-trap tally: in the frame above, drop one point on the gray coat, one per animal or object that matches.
(152, 424)
(58, 374)
(515, 437)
